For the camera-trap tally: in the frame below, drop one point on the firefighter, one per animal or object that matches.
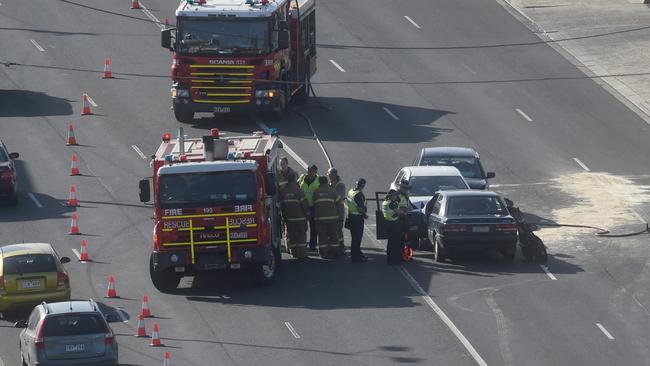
(295, 211)
(394, 216)
(283, 174)
(328, 213)
(308, 184)
(357, 212)
(339, 187)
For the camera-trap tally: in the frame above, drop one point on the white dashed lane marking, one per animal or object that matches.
(35, 200)
(38, 46)
(523, 114)
(586, 168)
(292, 330)
(548, 273)
(139, 152)
(391, 114)
(91, 101)
(412, 22)
(337, 66)
(602, 329)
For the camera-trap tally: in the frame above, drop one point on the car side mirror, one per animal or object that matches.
(145, 190)
(166, 38)
(490, 175)
(65, 260)
(270, 184)
(283, 39)
(13, 155)
(20, 324)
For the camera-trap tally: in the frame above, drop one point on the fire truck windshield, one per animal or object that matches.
(223, 36)
(195, 189)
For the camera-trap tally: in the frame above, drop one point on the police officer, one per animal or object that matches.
(328, 213)
(357, 212)
(308, 184)
(394, 216)
(339, 187)
(295, 211)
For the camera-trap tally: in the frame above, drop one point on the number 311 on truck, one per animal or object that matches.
(240, 55)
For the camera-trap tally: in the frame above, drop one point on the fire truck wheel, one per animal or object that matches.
(265, 273)
(183, 116)
(163, 281)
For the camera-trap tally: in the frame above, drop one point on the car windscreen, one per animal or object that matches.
(224, 36)
(427, 186)
(73, 325)
(207, 188)
(476, 206)
(3, 155)
(29, 263)
(468, 166)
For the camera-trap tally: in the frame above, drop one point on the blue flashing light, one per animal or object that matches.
(231, 155)
(273, 131)
(169, 158)
(250, 2)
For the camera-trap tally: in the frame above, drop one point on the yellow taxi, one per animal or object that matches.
(31, 273)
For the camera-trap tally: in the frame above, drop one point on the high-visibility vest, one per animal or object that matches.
(404, 201)
(388, 209)
(325, 204)
(308, 188)
(353, 209)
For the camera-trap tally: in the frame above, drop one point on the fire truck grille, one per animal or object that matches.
(222, 84)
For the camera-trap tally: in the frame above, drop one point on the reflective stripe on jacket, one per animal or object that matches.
(294, 204)
(388, 208)
(325, 204)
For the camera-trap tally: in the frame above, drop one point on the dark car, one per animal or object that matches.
(8, 184)
(464, 159)
(470, 220)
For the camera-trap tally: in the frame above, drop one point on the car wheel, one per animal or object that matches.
(438, 252)
(163, 281)
(265, 273)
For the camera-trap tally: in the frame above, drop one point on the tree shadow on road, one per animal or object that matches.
(26, 103)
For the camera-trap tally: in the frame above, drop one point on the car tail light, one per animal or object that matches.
(62, 279)
(2, 283)
(501, 228)
(6, 174)
(109, 338)
(39, 336)
(454, 228)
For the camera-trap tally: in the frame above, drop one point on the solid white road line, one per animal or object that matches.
(35, 200)
(607, 334)
(151, 16)
(524, 115)
(286, 147)
(138, 151)
(412, 22)
(582, 164)
(76, 253)
(391, 114)
(91, 101)
(293, 331)
(38, 46)
(548, 273)
(337, 66)
(441, 314)
(638, 216)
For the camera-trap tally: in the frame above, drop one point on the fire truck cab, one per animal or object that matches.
(240, 55)
(214, 206)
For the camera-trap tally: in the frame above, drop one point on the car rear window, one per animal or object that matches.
(3, 156)
(427, 186)
(469, 167)
(477, 205)
(74, 324)
(29, 263)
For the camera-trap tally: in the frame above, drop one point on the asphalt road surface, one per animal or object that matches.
(394, 76)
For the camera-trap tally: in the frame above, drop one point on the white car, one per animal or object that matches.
(427, 180)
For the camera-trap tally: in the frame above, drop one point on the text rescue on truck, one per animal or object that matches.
(231, 55)
(214, 206)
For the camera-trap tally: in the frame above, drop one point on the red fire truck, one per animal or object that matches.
(214, 206)
(240, 55)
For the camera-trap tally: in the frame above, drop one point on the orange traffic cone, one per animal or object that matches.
(74, 169)
(407, 253)
(168, 359)
(141, 332)
(111, 292)
(135, 4)
(107, 69)
(74, 228)
(86, 103)
(83, 254)
(72, 198)
(155, 337)
(145, 312)
(72, 140)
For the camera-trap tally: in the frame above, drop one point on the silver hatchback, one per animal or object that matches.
(67, 333)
